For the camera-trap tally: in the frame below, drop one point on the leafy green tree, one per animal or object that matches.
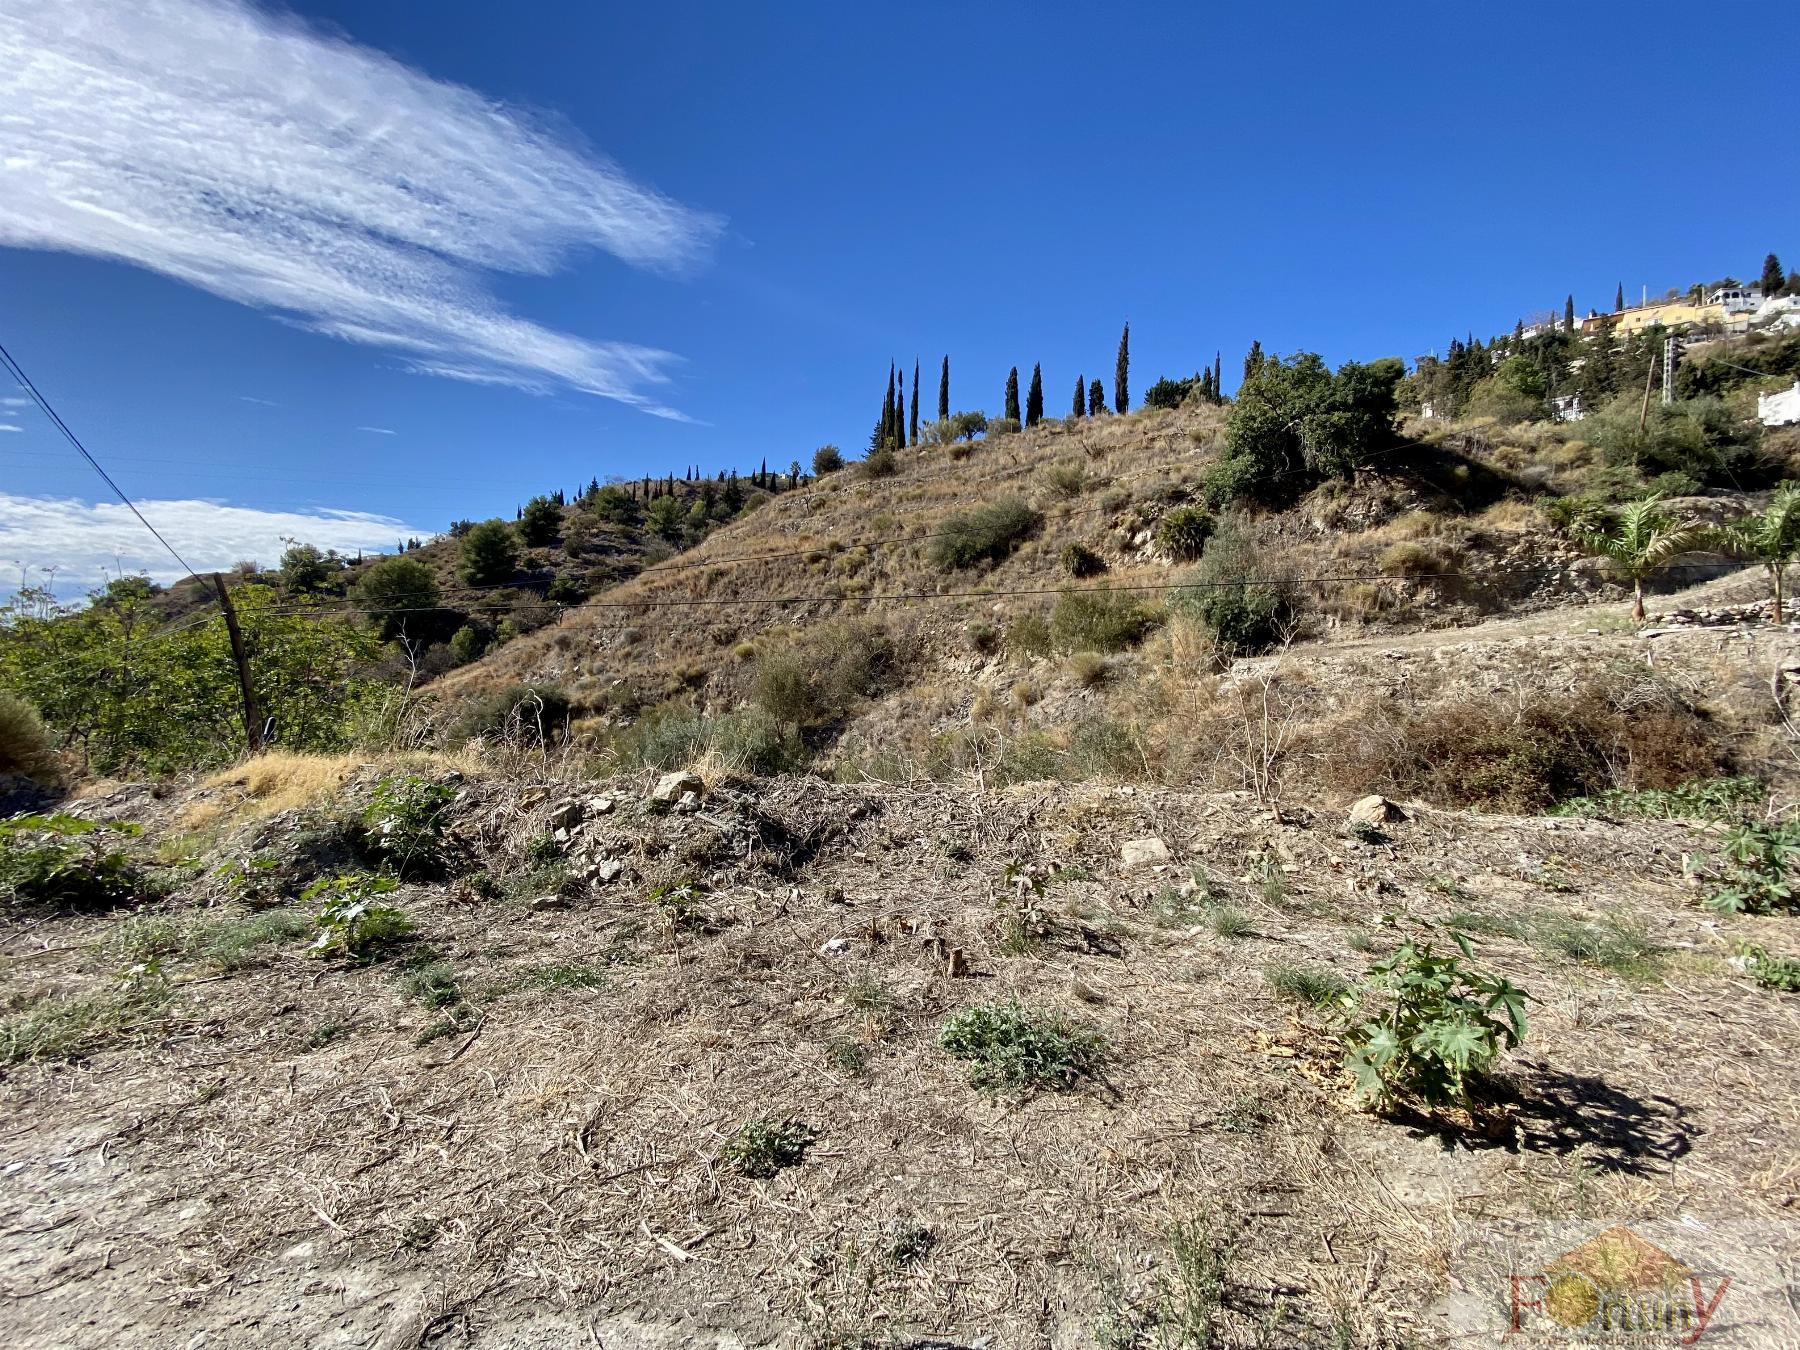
(1080, 405)
(540, 522)
(400, 595)
(1012, 395)
(1166, 393)
(944, 391)
(1294, 420)
(668, 518)
(1096, 398)
(490, 554)
(1122, 373)
(827, 459)
(304, 569)
(1637, 545)
(1772, 278)
(612, 503)
(1034, 398)
(466, 644)
(1770, 536)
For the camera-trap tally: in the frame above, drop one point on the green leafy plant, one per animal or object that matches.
(1770, 536)
(352, 919)
(41, 865)
(1442, 1025)
(1081, 562)
(1183, 532)
(1699, 799)
(1016, 1048)
(404, 822)
(762, 1148)
(1772, 972)
(1753, 877)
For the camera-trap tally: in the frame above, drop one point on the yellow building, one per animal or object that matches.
(1670, 314)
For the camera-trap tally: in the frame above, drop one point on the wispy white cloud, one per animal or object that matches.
(8, 426)
(89, 541)
(261, 402)
(15, 402)
(249, 155)
(378, 431)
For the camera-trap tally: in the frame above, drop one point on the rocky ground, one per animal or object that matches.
(520, 1125)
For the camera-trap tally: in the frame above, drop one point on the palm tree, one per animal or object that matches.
(1770, 537)
(1641, 542)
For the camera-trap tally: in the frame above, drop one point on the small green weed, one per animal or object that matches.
(71, 1028)
(1230, 922)
(1617, 943)
(1016, 1048)
(1772, 972)
(1191, 1296)
(1270, 880)
(566, 975)
(432, 982)
(1314, 985)
(1483, 925)
(352, 920)
(322, 1034)
(848, 1056)
(762, 1148)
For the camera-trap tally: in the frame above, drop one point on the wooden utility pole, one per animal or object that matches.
(252, 719)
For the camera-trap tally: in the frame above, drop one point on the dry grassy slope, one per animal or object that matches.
(698, 608)
(274, 1160)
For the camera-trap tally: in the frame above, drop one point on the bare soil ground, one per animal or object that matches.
(301, 1151)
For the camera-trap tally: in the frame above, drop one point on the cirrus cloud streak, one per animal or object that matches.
(256, 158)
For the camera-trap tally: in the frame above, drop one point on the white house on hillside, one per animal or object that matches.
(1736, 299)
(1780, 409)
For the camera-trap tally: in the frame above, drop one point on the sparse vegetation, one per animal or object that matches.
(1754, 875)
(1014, 1048)
(762, 1148)
(352, 919)
(986, 534)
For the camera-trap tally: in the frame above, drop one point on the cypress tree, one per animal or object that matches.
(1122, 373)
(885, 436)
(1012, 394)
(1218, 377)
(1253, 358)
(914, 438)
(1569, 315)
(1206, 391)
(899, 442)
(1096, 399)
(1080, 397)
(944, 391)
(1773, 279)
(1034, 397)
(1619, 298)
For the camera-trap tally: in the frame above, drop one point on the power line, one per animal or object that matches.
(25, 383)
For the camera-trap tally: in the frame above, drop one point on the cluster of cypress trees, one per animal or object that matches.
(898, 427)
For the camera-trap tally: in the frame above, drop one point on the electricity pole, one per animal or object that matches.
(252, 719)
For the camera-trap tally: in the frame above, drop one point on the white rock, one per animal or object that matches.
(1142, 852)
(673, 786)
(1376, 810)
(837, 946)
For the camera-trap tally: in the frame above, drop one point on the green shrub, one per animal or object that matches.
(540, 522)
(566, 590)
(41, 865)
(1100, 620)
(25, 746)
(520, 714)
(1167, 393)
(1183, 532)
(1081, 562)
(1698, 799)
(1002, 426)
(986, 534)
(762, 1148)
(750, 740)
(466, 645)
(352, 919)
(882, 463)
(404, 824)
(821, 675)
(827, 459)
(1029, 635)
(1248, 604)
(1066, 480)
(1442, 1024)
(1015, 1048)
(1755, 874)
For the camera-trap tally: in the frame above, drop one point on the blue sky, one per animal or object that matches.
(350, 271)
